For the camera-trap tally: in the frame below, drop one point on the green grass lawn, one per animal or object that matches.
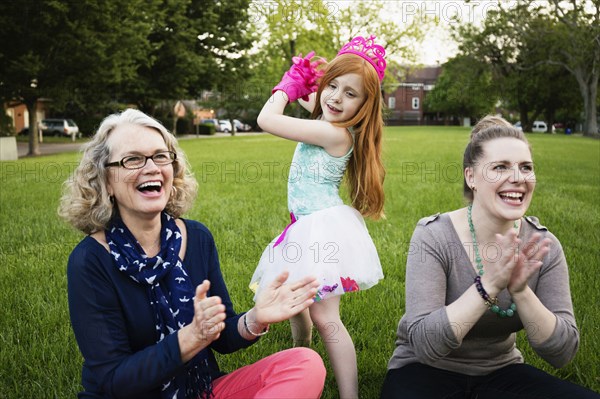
(242, 199)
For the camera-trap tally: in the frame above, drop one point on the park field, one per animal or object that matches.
(242, 200)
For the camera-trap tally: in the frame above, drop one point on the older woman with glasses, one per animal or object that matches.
(147, 300)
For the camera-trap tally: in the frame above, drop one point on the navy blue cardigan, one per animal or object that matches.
(115, 328)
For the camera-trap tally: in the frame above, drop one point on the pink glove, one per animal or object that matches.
(301, 79)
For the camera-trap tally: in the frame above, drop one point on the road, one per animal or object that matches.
(48, 148)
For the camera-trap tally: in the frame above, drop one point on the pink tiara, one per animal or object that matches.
(367, 49)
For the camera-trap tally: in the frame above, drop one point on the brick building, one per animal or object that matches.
(405, 100)
(20, 115)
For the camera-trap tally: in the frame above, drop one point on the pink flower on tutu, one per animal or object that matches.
(349, 284)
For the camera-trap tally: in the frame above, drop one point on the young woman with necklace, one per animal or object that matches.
(478, 275)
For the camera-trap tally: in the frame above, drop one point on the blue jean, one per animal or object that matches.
(517, 381)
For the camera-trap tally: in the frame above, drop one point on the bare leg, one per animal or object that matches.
(301, 328)
(338, 343)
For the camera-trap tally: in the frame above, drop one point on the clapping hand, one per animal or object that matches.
(280, 301)
(528, 262)
(209, 315)
(516, 263)
(499, 268)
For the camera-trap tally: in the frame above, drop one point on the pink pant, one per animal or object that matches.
(292, 373)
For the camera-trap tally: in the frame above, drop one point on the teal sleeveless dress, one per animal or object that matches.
(326, 238)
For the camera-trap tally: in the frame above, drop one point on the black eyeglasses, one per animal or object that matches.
(139, 161)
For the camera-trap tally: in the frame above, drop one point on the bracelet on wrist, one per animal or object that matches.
(492, 302)
(266, 330)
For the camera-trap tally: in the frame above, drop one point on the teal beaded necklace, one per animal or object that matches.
(493, 302)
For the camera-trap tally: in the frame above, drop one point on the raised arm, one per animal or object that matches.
(310, 104)
(300, 83)
(271, 119)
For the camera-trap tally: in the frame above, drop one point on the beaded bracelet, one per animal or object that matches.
(492, 302)
(252, 332)
(486, 298)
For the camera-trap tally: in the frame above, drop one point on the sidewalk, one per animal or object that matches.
(48, 148)
(57, 148)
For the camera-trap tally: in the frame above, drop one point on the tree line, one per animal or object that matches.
(541, 59)
(92, 57)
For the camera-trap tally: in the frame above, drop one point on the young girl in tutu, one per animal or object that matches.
(326, 238)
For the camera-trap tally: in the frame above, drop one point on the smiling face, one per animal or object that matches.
(144, 192)
(503, 178)
(342, 98)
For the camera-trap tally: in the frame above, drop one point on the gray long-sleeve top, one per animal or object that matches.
(439, 271)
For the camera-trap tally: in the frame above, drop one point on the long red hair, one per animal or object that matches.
(365, 172)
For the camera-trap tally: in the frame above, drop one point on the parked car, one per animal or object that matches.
(241, 127)
(59, 127)
(214, 122)
(540, 126)
(537, 126)
(225, 125)
(25, 130)
(56, 127)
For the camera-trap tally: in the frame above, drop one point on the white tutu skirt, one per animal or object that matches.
(332, 244)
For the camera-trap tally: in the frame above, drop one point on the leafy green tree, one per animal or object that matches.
(233, 92)
(96, 55)
(6, 127)
(401, 35)
(519, 39)
(464, 89)
(289, 27)
(575, 46)
(233, 70)
(493, 45)
(195, 45)
(68, 50)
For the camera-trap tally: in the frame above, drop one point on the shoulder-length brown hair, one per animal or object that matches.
(85, 203)
(365, 173)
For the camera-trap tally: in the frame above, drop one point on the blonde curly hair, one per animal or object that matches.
(86, 204)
